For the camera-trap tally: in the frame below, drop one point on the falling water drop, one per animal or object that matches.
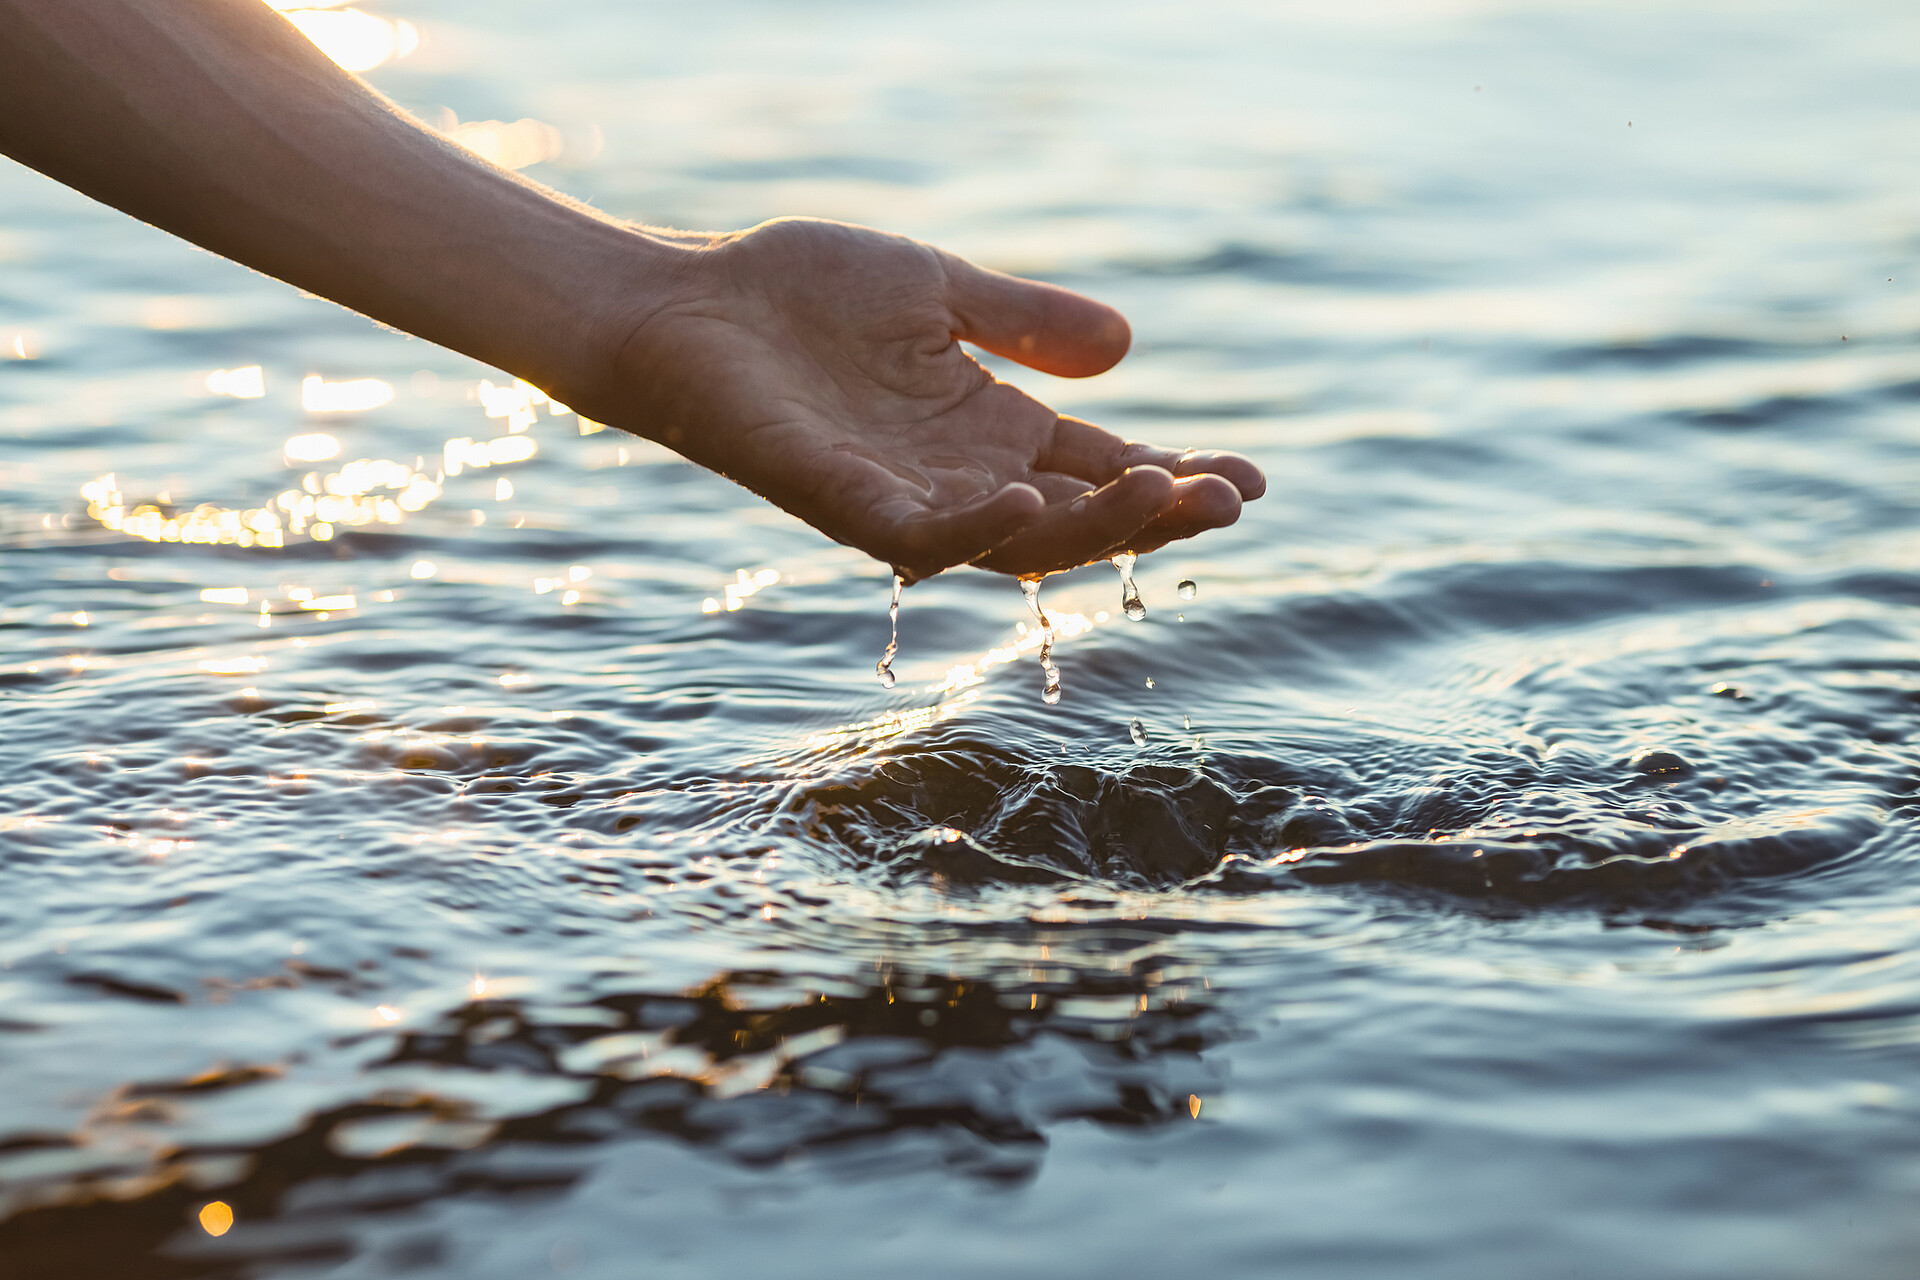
(1138, 732)
(885, 665)
(1129, 594)
(1187, 589)
(1050, 692)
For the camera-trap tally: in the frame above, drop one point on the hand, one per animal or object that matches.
(819, 364)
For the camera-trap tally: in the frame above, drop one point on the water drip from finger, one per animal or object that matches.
(885, 666)
(1050, 690)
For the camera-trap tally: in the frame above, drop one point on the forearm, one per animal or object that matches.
(218, 121)
(820, 364)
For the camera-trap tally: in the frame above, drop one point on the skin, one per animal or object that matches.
(820, 364)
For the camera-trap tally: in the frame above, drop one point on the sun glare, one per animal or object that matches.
(511, 145)
(357, 41)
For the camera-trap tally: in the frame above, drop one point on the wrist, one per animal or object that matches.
(626, 279)
(595, 286)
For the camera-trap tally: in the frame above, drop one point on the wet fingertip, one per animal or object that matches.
(1147, 476)
(1021, 498)
(1004, 515)
(1140, 492)
(1208, 501)
(1236, 469)
(1006, 512)
(1225, 501)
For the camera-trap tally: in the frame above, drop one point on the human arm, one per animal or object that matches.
(816, 363)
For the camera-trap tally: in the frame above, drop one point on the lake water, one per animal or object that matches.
(1503, 865)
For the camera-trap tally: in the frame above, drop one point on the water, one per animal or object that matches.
(1050, 690)
(1517, 878)
(1130, 603)
(885, 665)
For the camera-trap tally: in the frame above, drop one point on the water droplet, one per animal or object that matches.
(1149, 682)
(1139, 733)
(1050, 692)
(1186, 722)
(885, 665)
(1187, 589)
(1129, 594)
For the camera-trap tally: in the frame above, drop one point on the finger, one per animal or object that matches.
(1084, 528)
(1200, 503)
(1042, 326)
(1093, 453)
(1059, 489)
(919, 543)
(1079, 448)
(1236, 469)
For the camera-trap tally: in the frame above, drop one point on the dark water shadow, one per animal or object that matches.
(973, 1073)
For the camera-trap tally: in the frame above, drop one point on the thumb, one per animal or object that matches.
(1042, 326)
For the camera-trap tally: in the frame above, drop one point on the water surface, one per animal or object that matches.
(1502, 865)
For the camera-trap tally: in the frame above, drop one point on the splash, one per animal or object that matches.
(1050, 692)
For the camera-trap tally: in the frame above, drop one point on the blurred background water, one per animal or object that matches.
(443, 839)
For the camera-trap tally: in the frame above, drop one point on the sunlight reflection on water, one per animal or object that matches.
(1502, 857)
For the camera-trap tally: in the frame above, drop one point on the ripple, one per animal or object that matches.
(515, 1094)
(1505, 857)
